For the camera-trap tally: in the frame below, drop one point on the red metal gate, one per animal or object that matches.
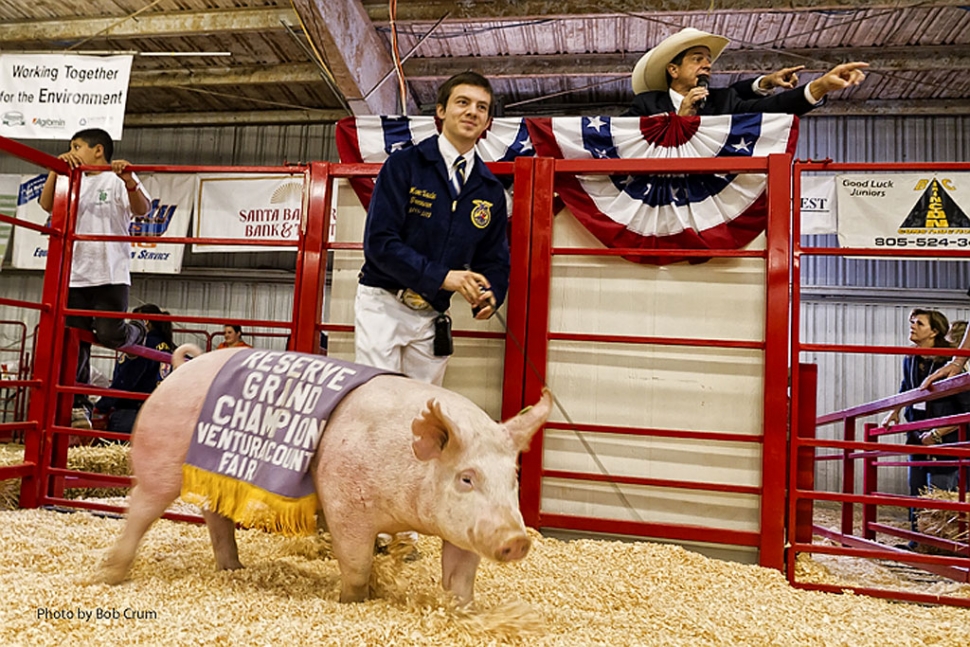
(864, 458)
(773, 437)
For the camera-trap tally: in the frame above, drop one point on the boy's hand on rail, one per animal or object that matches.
(72, 159)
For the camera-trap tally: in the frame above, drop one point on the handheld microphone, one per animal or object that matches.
(703, 81)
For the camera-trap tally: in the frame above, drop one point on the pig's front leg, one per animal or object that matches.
(222, 532)
(355, 556)
(458, 568)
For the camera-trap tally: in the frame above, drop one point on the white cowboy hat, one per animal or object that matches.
(650, 71)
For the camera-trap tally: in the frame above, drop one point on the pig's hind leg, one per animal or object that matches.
(355, 556)
(144, 508)
(222, 532)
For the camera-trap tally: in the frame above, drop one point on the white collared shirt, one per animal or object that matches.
(450, 154)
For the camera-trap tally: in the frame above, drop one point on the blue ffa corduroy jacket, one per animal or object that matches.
(416, 232)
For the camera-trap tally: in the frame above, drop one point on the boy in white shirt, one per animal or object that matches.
(100, 277)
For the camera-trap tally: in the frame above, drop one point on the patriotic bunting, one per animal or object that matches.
(722, 211)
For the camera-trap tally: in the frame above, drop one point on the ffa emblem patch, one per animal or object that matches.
(481, 213)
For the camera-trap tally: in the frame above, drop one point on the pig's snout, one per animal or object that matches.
(513, 549)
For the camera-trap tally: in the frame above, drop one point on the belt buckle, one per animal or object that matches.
(413, 300)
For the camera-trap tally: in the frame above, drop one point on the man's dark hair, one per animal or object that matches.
(235, 327)
(677, 60)
(466, 78)
(94, 136)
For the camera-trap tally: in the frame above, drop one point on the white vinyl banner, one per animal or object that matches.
(172, 196)
(9, 184)
(30, 247)
(818, 205)
(52, 96)
(904, 211)
(172, 199)
(247, 207)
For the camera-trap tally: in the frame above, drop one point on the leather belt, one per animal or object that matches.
(410, 298)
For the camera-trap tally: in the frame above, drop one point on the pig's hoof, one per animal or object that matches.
(112, 574)
(231, 566)
(353, 594)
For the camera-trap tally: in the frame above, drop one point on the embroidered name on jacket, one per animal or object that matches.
(420, 202)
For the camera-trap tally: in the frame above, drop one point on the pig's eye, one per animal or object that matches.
(466, 481)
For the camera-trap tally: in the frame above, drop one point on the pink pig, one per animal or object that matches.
(395, 455)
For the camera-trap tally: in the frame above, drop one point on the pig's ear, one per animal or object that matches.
(433, 431)
(527, 422)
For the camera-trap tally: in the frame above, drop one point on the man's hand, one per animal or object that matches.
(784, 78)
(485, 307)
(470, 285)
(688, 107)
(839, 77)
(949, 370)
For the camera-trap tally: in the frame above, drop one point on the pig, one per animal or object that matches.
(395, 455)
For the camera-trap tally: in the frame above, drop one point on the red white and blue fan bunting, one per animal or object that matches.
(688, 211)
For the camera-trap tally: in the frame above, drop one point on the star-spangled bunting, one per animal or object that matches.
(692, 211)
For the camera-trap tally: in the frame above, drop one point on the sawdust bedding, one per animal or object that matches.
(586, 592)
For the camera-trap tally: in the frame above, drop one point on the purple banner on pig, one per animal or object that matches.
(264, 414)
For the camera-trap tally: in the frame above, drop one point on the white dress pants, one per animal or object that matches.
(392, 336)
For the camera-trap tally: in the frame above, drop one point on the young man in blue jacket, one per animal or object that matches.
(436, 226)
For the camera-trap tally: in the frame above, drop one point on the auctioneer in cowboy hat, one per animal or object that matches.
(650, 71)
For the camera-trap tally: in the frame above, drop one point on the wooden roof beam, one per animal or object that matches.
(147, 25)
(244, 118)
(560, 65)
(482, 10)
(733, 60)
(354, 53)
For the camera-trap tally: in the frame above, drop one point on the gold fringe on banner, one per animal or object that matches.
(248, 505)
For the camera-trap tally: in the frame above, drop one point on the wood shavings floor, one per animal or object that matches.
(584, 592)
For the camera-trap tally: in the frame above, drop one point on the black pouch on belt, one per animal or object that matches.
(443, 345)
